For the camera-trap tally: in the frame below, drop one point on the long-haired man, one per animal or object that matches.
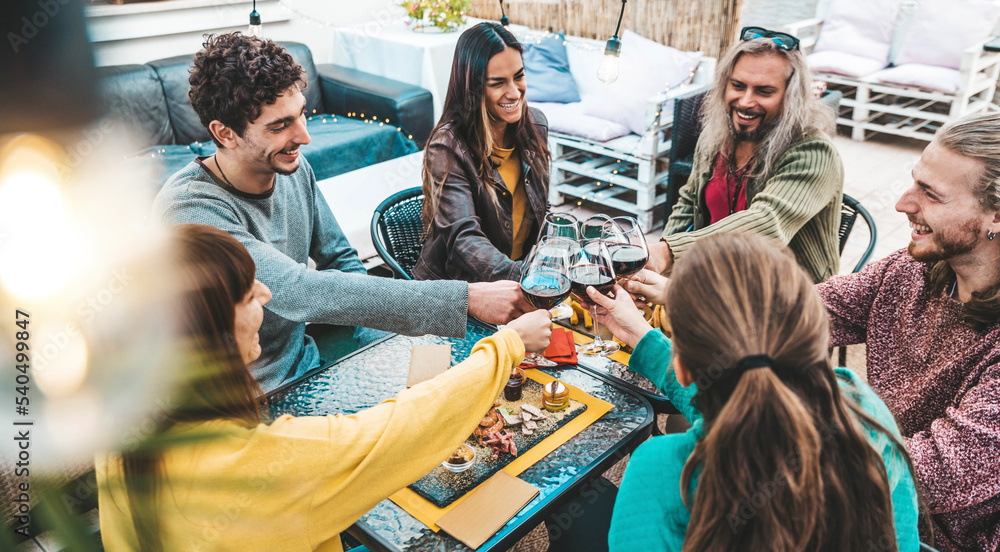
(763, 162)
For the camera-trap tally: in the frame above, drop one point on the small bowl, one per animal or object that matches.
(458, 468)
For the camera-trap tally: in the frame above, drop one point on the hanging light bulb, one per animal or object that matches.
(255, 30)
(503, 16)
(608, 71)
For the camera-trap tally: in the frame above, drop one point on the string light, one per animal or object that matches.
(323, 117)
(608, 71)
(255, 29)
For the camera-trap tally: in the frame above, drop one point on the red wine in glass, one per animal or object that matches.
(545, 289)
(585, 275)
(627, 259)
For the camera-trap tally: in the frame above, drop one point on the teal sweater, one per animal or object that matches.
(649, 512)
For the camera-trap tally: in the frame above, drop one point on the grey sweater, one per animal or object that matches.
(282, 229)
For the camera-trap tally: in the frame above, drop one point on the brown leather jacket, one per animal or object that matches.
(470, 239)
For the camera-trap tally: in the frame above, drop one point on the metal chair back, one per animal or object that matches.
(397, 230)
(683, 138)
(850, 209)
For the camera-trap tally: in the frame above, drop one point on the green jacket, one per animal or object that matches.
(798, 203)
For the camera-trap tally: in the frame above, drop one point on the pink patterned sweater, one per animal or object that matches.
(940, 379)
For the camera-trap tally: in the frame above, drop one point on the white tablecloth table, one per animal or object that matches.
(353, 196)
(394, 50)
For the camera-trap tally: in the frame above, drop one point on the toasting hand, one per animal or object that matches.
(535, 329)
(497, 302)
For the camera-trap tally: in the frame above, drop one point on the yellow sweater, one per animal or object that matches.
(510, 172)
(297, 483)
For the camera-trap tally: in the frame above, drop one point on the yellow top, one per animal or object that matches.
(510, 172)
(296, 484)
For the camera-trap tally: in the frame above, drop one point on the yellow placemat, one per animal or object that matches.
(428, 514)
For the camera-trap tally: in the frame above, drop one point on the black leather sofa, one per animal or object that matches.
(149, 103)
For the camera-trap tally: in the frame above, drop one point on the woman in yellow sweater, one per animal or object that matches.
(220, 479)
(486, 166)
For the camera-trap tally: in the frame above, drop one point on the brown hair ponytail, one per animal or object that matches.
(784, 463)
(780, 484)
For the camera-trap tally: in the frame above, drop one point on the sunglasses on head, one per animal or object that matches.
(784, 41)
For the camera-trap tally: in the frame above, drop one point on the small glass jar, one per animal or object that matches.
(512, 391)
(555, 396)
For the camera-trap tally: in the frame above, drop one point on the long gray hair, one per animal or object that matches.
(800, 112)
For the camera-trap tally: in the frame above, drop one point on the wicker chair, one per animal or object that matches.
(397, 230)
(849, 211)
(683, 138)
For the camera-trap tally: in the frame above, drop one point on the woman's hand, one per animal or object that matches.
(649, 285)
(620, 315)
(535, 330)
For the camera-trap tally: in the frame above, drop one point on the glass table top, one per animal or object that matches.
(379, 372)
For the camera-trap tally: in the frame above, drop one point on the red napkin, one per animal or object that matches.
(561, 350)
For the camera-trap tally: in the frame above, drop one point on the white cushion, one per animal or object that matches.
(646, 68)
(862, 28)
(941, 30)
(585, 56)
(569, 118)
(841, 63)
(922, 76)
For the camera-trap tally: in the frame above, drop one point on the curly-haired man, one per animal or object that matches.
(248, 93)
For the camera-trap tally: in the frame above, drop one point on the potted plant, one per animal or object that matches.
(436, 15)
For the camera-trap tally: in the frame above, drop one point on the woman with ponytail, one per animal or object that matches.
(784, 453)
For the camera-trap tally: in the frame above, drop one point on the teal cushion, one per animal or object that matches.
(346, 144)
(546, 68)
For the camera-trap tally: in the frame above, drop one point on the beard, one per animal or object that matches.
(741, 134)
(962, 240)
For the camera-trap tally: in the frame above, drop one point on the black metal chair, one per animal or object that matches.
(397, 229)
(849, 211)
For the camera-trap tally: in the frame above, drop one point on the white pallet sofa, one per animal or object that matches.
(628, 173)
(870, 105)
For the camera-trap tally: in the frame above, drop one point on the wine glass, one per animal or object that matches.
(545, 275)
(592, 267)
(560, 225)
(545, 278)
(627, 246)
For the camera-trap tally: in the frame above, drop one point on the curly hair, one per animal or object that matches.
(235, 75)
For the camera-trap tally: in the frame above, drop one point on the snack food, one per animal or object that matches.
(461, 456)
(460, 460)
(491, 423)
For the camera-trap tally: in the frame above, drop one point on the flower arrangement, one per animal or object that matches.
(446, 15)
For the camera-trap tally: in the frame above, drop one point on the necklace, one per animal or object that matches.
(216, 159)
(954, 285)
(736, 176)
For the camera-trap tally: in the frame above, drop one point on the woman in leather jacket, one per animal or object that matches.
(486, 166)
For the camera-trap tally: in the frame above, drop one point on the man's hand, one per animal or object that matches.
(620, 315)
(661, 259)
(497, 302)
(648, 285)
(535, 329)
